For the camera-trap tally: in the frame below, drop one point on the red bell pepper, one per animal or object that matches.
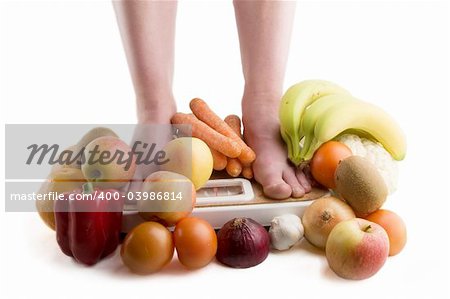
(89, 229)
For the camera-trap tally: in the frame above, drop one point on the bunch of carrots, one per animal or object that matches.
(223, 137)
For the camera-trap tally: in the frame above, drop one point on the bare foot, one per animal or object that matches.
(153, 128)
(271, 168)
(157, 108)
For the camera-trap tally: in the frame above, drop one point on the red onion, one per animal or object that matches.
(242, 243)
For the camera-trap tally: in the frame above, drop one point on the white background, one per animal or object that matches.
(63, 63)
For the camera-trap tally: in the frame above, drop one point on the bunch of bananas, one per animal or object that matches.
(315, 111)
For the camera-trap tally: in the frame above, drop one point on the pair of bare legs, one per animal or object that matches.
(148, 32)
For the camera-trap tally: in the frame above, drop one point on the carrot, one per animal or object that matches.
(213, 139)
(220, 161)
(235, 123)
(204, 113)
(234, 167)
(247, 172)
(247, 155)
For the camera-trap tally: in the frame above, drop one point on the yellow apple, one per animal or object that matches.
(190, 157)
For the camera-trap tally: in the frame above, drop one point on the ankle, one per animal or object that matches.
(155, 109)
(261, 98)
(270, 94)
(260, 106)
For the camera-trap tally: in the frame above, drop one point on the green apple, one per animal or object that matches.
(190, 157)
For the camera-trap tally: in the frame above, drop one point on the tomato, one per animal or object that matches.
(325, 161)
(196, 242)
(147, 248)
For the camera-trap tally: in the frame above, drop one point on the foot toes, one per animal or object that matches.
(271, 179)
(277, 190)
(290, 178)
(301, 177)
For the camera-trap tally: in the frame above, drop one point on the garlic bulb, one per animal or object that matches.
(285, 231)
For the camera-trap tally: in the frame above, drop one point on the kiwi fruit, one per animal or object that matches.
(361, 185)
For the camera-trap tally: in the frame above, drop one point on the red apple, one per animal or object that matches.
(357, 248)
(108, 162)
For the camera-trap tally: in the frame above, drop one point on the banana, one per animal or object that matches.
(364, 117)
(313, 113)
(292, 106)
